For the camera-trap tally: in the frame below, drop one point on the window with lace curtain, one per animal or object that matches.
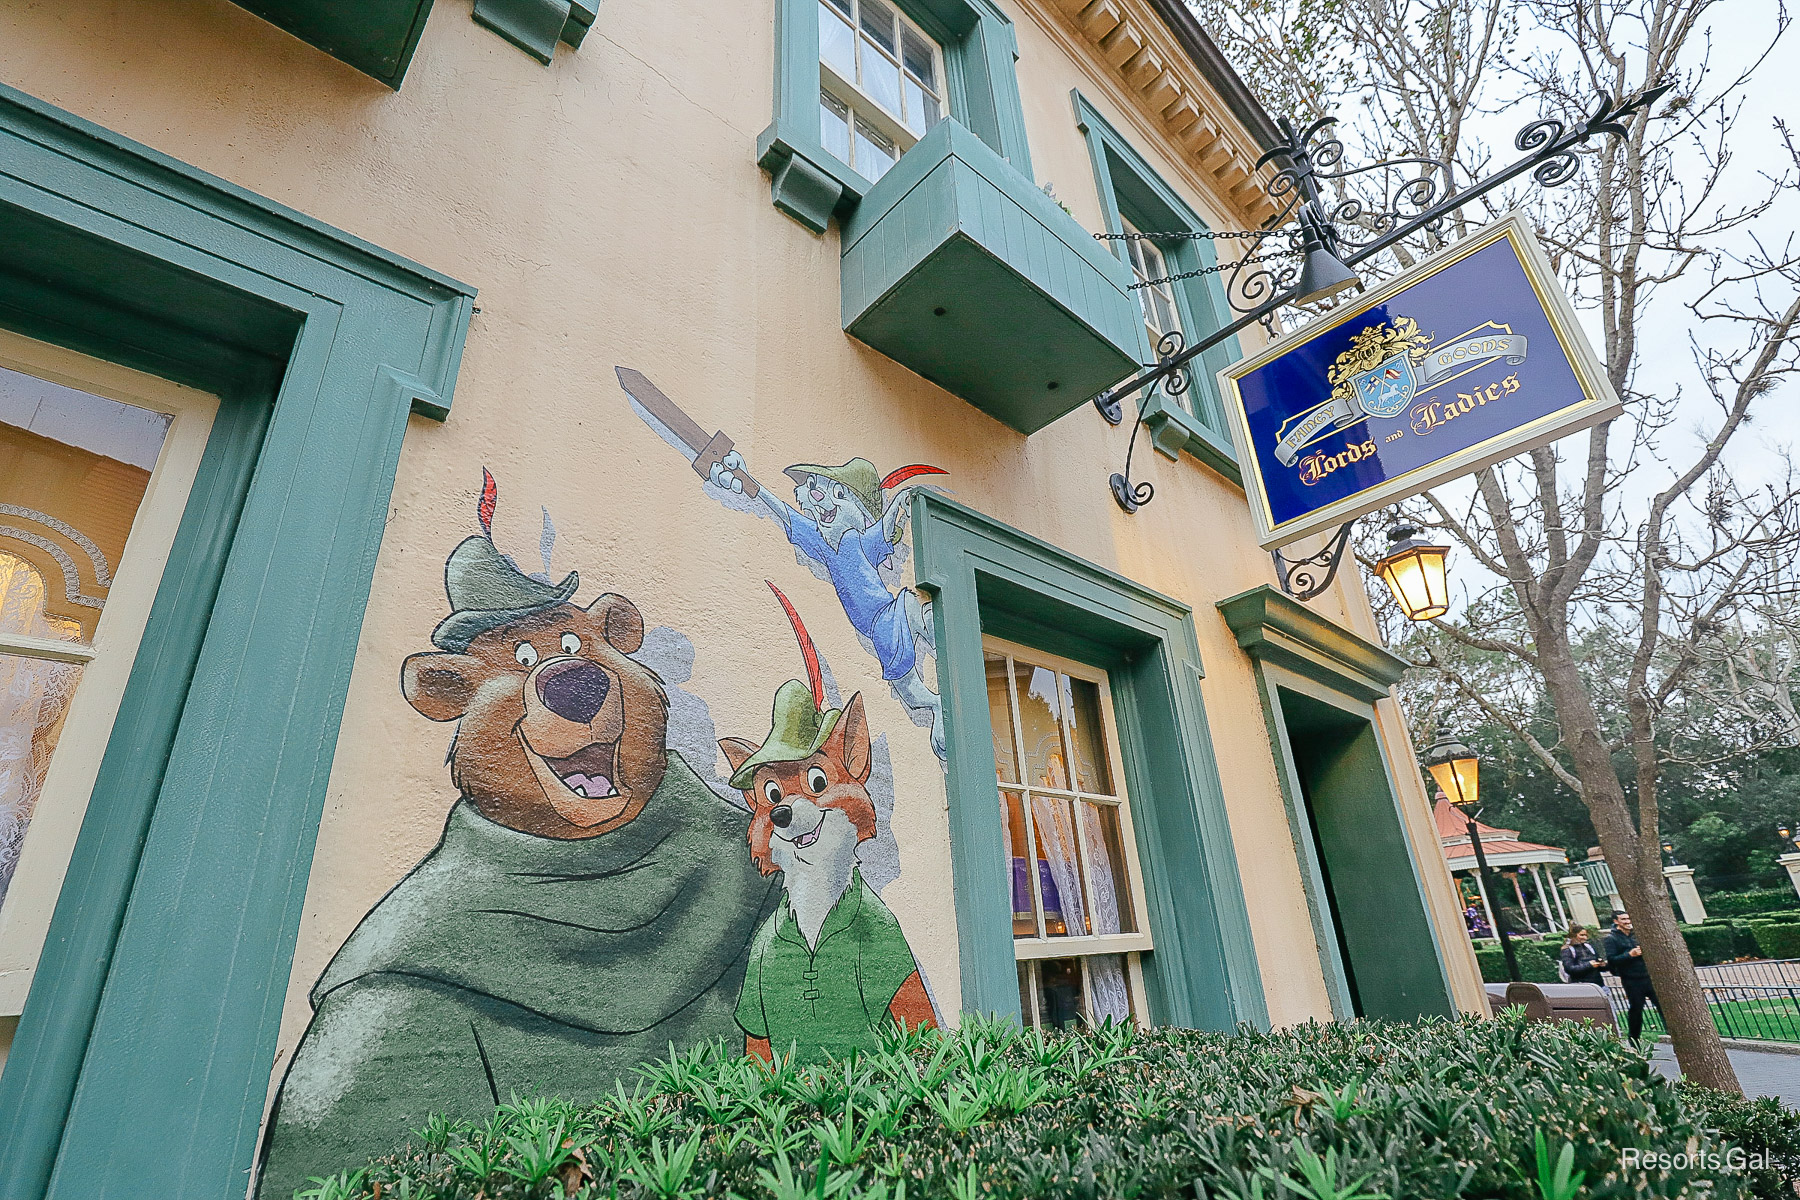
(1077, 891)
(76, 472)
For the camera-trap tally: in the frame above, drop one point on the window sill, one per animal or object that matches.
(1173, 429)
(1069, 947)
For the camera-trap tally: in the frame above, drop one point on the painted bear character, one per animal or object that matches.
(589, 902)
(831, 966)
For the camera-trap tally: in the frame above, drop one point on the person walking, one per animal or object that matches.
(1580, 960)
(1625, 958)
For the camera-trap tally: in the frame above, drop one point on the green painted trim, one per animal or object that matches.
(1130, 187)
(536, 26)
(983, 575)
(980, 57)
(155, 1006)
(1279, 629)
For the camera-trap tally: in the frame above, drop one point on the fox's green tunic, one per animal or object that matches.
(507, 962)
(831, 1000)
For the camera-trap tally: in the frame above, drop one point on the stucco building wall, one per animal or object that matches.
(610, 211)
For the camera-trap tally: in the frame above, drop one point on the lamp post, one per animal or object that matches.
(1457, 772)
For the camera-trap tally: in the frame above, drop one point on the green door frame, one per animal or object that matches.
(1298, 652)
(986, 577)
(142, 1059)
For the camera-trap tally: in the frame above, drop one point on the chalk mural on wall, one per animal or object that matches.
(844, 523)
(595, 895)
(831, 967)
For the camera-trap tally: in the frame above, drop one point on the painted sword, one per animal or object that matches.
(702, 451)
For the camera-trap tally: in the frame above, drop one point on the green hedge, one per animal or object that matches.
(1741, 904)
(1710, 944)
(1537, 962)
(1776, 940)
(1475, 1108)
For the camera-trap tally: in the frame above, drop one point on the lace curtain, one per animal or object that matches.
(34, 699)
(1055, 825)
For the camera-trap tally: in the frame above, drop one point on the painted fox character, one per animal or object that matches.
(843, 519)
(831, 965)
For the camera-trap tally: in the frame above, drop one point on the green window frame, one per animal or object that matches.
(1323, 681)
(980, 51)
(152, 1017)
(987, 577)
(1131, 190)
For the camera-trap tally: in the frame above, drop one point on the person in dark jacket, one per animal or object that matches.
(1580, 960)
(1625, 958)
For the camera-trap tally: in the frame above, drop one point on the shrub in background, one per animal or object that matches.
(1777, 940)
(1739, 904)
(1537, 962)
(1710, 944)
(1476, 1108)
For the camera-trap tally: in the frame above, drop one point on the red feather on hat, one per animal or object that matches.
(815, 678)
(896, 478)
(490, 494)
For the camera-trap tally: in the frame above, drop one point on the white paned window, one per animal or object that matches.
(1076, 888)
(1156, 296)
(95, 466)
(881, 83)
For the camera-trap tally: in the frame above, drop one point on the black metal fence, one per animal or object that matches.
(1760, 1001)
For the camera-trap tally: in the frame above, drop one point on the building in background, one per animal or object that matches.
(531, 538)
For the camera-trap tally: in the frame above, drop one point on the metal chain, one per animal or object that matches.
(1185, 233)
(1242, 262)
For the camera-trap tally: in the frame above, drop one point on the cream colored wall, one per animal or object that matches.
(610, 211)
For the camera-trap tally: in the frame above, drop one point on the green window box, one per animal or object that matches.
(956, 266)
(377, 37)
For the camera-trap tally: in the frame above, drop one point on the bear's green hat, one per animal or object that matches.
(859, 475)
(797, 728)
(487, 591)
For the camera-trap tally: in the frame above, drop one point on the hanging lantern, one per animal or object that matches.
(1414, 572)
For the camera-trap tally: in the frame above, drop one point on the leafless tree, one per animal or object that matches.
(1638, 530)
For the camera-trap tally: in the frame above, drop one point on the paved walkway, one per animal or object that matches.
(1762, 1072)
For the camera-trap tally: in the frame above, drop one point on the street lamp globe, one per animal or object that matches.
(1457, 772)
(1413, 570)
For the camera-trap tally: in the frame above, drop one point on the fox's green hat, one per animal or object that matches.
(797, 729)
(859, 475)
(487, 591)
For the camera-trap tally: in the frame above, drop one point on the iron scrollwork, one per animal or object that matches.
(1300, 578)
(1353, 231)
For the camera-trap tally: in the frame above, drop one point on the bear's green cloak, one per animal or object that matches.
(506, 962)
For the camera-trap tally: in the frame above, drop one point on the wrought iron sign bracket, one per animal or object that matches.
(1300, 578)
(1311, 155)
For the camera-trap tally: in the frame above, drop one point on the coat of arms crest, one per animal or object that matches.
(1377, 373)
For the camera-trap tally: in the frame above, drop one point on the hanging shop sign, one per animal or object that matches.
(1473, 356)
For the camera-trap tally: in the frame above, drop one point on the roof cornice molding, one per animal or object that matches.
(1184, 86)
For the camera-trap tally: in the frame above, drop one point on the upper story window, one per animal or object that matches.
(1150, 271)
(881, 83)
(1075, 881)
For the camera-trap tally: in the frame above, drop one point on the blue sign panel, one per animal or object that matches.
(1471, 357)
